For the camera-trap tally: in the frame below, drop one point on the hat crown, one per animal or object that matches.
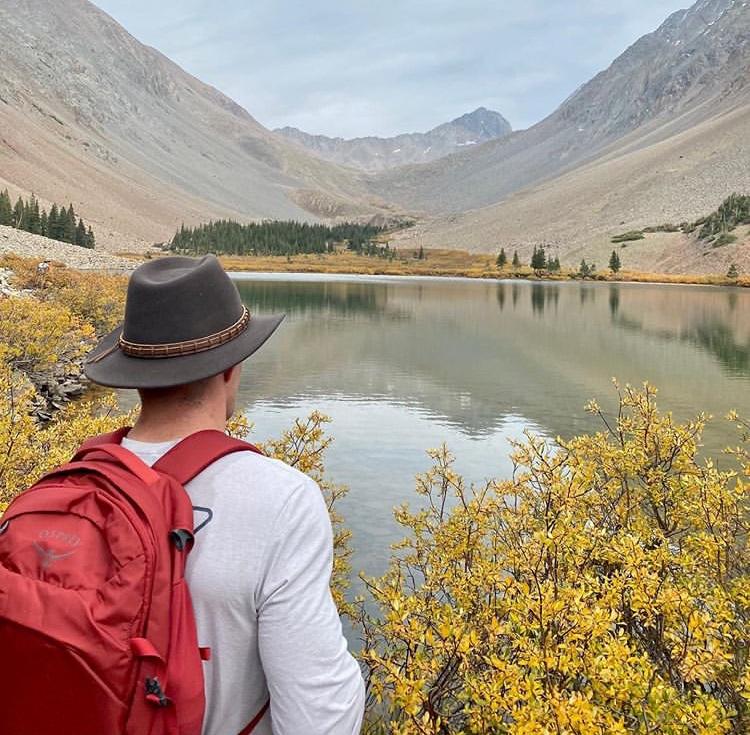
(177, 299)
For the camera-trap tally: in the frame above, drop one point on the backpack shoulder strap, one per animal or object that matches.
(114, 437)
(194, 453)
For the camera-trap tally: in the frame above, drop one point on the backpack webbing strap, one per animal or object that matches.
(256, 720)
(114, 437)
(117, 452)
(194, 453)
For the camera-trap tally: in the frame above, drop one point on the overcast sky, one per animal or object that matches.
(353, 68)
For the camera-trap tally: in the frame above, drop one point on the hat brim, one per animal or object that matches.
(118, 370)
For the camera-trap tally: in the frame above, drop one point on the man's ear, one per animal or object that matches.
(228, 373)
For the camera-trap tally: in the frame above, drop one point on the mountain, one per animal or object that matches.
(90, 115)
(695, 61)
(377, 154)
(660, 136)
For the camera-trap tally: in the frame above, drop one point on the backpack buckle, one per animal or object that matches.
(155, 694)
(181, 537)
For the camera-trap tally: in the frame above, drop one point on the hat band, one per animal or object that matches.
(188, 347)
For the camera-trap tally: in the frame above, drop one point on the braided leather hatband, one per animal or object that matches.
(188, 347)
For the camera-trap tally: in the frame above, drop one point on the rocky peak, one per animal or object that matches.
(376, 154)
(484, 124)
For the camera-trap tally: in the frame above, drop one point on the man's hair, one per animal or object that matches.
(189, 393)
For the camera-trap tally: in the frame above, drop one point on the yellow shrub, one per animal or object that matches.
(604, 589)
(38, 336)
(28, 449)
(96, 298)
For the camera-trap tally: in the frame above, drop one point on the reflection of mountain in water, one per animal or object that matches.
(716, 330)
(718, 338)
(474, 353)
(312, 297)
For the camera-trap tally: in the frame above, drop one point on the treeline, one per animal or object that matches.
(539, 261)
(59, 223)
(733, 211)
(273, 238)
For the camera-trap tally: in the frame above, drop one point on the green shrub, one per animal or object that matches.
(629, 236)
(724, 239)
(733, 211)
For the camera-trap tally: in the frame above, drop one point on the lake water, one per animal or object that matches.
(402, 365)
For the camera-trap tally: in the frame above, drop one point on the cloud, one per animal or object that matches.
(359, 68)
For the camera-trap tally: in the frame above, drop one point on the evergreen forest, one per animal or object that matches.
(58, 224)
(274, 237)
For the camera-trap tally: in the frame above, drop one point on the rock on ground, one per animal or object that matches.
(27, 245)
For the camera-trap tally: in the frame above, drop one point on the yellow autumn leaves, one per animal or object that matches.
(44, 332)
(604, 589)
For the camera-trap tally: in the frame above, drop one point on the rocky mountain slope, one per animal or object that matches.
(693, 67)
(90, 115)
(25, 244)
(378, 154)
(666, 130)
(637, 184)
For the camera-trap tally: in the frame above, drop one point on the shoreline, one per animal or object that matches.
(440, 263)
(319, 276)
(658, 279)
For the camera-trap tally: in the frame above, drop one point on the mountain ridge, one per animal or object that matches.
(640, 85)
(138, 143)
(670, 118)
(373, 153)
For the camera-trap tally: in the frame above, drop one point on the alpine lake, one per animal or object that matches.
(401, 365)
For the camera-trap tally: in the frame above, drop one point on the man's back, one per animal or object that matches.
(259, 576)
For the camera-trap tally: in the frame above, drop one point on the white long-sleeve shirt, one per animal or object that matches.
(259, 575)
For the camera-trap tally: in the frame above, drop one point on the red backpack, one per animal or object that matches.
(97, 633)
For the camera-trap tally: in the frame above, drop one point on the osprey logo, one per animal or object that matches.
(49, 557)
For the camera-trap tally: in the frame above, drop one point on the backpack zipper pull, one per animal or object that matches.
(155, 694)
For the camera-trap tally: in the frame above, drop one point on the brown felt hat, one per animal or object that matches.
(184, 321)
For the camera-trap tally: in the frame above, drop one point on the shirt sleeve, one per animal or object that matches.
(315, 684)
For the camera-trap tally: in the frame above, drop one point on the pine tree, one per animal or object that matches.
(553, 265)
(502, 259)
(43, 223)
(53, 223)
(421, 253)
(733, 273)
(516, 260)
(614, 262)
(19, 215)
(6, 209)
(69, 225)
(33, 223)
(80, 237)
(538, 259)
(90, 239)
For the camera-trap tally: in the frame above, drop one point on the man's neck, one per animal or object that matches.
(161, 426)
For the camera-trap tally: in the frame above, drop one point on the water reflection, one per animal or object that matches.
(432, 344)
(719, 339)
(307, 297)
(614, 300)
(404, 365)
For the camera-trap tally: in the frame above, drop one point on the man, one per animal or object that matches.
(260, 570)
